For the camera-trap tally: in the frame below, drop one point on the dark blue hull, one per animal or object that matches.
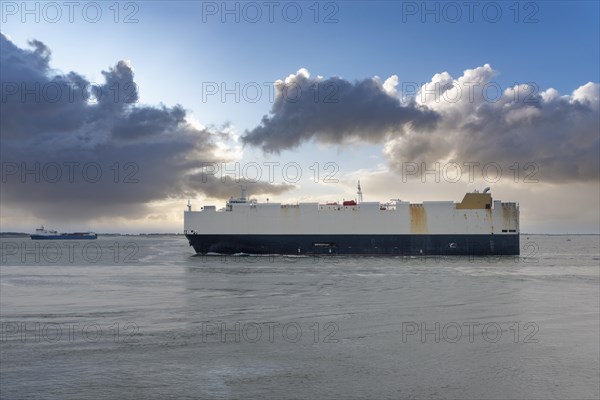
(476, 245)
(64, 237)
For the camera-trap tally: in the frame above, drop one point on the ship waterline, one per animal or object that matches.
(477, 225)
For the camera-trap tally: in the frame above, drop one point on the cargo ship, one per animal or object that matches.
(44, 234)
(477, 225)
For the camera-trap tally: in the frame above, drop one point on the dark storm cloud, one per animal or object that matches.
(54, 125)
(334, 111)
(27, 81)
(147, 121)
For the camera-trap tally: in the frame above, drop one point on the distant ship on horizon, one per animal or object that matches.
(48, 234)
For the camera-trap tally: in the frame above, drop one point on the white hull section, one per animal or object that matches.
(365, 218)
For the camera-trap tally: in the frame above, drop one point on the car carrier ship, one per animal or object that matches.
(50, 234)
(477, 225)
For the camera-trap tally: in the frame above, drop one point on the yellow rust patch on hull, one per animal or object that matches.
(510, 216)
(418, 219)
(475, 201)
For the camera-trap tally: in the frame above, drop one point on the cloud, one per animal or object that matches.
(520, 124)
(61, 125)
(220, 189)
(335, 111)
(465, 119)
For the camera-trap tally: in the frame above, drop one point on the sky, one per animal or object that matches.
(115, 114)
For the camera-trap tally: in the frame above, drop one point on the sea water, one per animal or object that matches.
(142, 317)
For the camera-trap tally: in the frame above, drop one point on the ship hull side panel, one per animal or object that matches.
(356, 244)
(63, 237)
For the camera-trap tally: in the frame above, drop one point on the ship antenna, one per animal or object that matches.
(243, 190)
(189, 205)
(359, 193)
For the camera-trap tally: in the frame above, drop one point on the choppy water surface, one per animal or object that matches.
(143, 318)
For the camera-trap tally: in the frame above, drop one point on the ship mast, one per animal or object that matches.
(359, 193)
